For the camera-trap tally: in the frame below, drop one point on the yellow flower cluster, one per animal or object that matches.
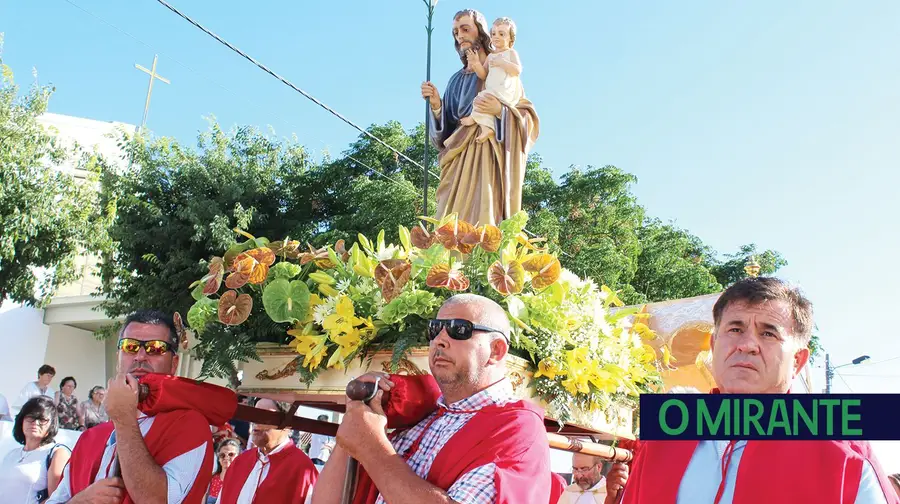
(342, 327)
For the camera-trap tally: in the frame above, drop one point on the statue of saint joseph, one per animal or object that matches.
(480, 180)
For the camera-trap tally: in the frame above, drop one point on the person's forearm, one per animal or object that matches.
(481, 72)
(398, 484)
(330, 483)
(145, 481)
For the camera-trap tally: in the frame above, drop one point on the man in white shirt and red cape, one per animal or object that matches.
(760, 343)
(154, 450)
(274, 470)
(478, 444)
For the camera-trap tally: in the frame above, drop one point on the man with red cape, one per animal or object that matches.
(274, 470)
(760, 343)
(479, 445)
(158, 449)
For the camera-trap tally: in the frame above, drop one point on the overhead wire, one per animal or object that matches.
(845, 381)
(233, 93)
(292, 85)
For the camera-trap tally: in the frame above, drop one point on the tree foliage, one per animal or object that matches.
(47, 217)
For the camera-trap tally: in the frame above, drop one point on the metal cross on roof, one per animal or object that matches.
(153, 76)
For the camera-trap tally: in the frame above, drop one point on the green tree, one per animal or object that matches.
(47, 217)
(673, 263)
(178, 207)
(732, 269)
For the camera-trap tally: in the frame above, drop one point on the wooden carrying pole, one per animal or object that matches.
(557, 441)
(573, 445)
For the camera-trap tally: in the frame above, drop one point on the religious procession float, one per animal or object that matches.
(322, 315)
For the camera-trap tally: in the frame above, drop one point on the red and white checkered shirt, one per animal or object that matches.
(477, 485)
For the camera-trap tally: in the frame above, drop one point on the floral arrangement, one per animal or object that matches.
(586, 351)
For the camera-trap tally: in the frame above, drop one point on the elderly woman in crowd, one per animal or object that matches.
(92, 412)
(29, 474)
(67, 404)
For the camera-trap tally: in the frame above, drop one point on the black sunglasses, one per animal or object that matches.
(458, 329)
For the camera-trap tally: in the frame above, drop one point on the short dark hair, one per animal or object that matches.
(153, 317)
(759, 290)
(94, 389)
(46, 369)
(322, 418)
(37, 408)
(66, 379)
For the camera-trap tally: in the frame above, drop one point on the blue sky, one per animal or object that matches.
(768, 122)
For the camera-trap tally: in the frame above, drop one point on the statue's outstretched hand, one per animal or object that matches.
(430, 93)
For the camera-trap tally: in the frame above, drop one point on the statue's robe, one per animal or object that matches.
(482, 182)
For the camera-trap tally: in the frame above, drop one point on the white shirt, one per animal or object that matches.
(181, 471)
(30, 390)
(317, 448)
(4, 409)
(24, 474)
(704, 474)
(588, 496)
(257, 475)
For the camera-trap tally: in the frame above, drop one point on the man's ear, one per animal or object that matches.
(175, 360)
(499, 350)
(801, 357)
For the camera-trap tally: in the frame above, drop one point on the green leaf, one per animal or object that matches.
(338, 263)
(623, 312)
(286, 301)
(202, 313)
(380, 240)
(260, 242)
(197, 292)
(517, 308)
(404, 238)
(284, 269)
(556, 293)
(366, 244)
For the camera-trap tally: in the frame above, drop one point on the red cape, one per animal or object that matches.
(512, 436)
(291, 476)
(172, 434)
(773, 472)
(558, 485)
(182, 409)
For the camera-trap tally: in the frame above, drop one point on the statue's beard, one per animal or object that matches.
(474, 45)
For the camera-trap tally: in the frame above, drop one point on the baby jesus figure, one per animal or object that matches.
(501, 77)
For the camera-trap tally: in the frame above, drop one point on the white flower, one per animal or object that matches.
(386, 253)
(566, 277)
(323, 310)
(343, 284)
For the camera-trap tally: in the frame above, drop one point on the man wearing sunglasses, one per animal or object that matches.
(480, 445)
(161, 458)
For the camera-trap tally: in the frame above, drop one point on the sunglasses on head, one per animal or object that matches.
(458, 329)
(152, 347)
